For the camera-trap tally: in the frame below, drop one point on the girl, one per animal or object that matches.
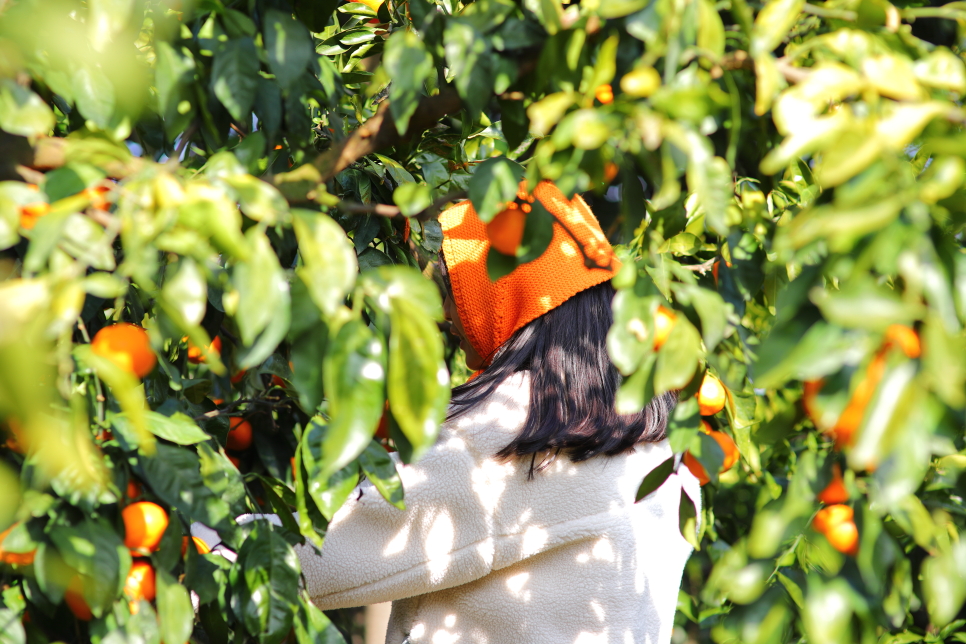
(520, 524)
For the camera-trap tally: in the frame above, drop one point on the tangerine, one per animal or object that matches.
(610, 171)
(604, 94)
(140, 582)
(238, 377)
(235, 461)
(837, 524)
(835, 492)
(664, 320)
(906, 339)
(696, 468)
(144, 524)
(127, 346)
(506, 230)
(74, 598)
(198, 355)
(711, 396)
(200, 546)
(133, 489)
(843, 433)
(726, 443)
(97, 197)
(239, 434)
(14, 558)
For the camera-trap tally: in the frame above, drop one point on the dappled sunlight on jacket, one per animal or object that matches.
(482, 555)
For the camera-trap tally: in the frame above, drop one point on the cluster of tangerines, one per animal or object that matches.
(127, 346)
(836, 520)
(32, 212)
(144, 525)
(711, 397)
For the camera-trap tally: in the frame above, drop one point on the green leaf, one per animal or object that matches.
(258, 199)
(468, 56)
(174, 74)
(234, 76)
(94, 94)
(380, 469)
(289, 46)
(655, 478)
(328, 490)
(493, 185)
(412, 198)
(354, 375)
(772, 25)
(187, 292)
(262, 287)
(328, 264)
(22, 112)
(264, 582)
(408, 64)
(620, 8)
(11, 628)
(93, 548)
(678, 358)
(177, 428)
(688, 520)
(175, 615)
(418, 380)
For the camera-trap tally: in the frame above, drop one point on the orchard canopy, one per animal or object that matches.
(218, 223)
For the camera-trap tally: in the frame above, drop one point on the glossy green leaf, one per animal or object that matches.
(493, 185)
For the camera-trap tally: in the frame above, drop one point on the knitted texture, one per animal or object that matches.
(492, 312)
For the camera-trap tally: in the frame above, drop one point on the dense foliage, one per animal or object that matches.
(255, 183)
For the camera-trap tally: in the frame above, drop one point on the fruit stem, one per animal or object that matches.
(99, 400)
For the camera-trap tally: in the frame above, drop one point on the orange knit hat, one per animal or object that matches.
(491, 312)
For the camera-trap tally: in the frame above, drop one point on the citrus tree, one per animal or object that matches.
(215, 214)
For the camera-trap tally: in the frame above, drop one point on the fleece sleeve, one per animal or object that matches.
(374, 552)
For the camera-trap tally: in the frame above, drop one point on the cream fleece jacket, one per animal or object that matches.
(481, 555)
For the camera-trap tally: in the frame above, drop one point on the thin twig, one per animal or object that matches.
(97, 381)
(241, 135)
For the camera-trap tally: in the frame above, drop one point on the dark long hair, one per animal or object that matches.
(573, 385)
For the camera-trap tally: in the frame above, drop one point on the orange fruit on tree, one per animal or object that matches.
(726, 443)
(235, 461)
(238, 377)
(14, 558)
(239, 434)
(506, 229)
(200, 546)
(17, 440)
(604, 94)
(848, 423)
(837, 524)
(664, 320)
(74, 598)
(906, 339)
(835, 492)
(140, 582)
(97, 196)
(696, 468)
(198, 355)
(277, 382)
(127, 346)
(711, 395)
(144, 524)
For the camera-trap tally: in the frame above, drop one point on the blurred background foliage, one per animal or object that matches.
(255, 183)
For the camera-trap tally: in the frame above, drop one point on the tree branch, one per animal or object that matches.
(387, 210)
(380, 132)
